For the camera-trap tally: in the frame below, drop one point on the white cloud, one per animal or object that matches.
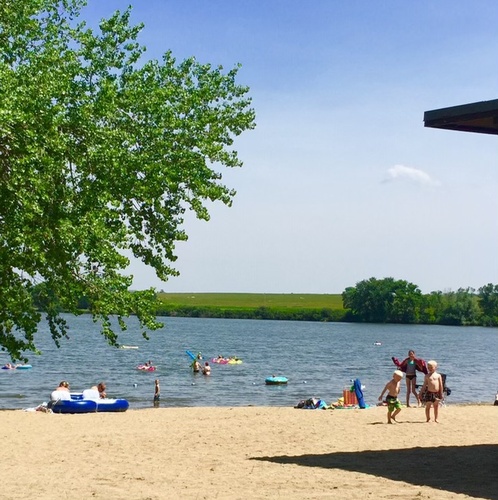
(410, 174)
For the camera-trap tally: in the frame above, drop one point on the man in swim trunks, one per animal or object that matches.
(393, 403)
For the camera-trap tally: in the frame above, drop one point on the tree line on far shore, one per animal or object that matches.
(371, 301)
(398, 301)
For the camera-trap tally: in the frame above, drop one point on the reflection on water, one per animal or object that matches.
(319, 359)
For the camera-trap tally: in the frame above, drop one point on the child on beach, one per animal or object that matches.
(432, 391)
(393, 403)
(157, 390)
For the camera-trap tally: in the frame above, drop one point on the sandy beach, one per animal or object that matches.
(250, 452)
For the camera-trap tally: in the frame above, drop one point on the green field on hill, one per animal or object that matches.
(252, 300)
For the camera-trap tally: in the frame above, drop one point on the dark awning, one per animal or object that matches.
(481, 117)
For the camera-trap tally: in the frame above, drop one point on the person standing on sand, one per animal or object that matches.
(432, 391)
(393, 403)
(410, 366)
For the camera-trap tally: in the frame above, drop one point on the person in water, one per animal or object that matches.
(196, 366)
(393, 403)
(157, 390)
(410, 366)
(207, 369)
(432, 391)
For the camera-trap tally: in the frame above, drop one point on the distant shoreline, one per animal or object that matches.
(292, 307)
(304, 307)
(298, 307)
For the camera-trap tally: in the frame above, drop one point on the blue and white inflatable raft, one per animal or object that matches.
(276, 380)
(79, 405)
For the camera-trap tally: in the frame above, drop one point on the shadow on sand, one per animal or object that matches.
(469, 470)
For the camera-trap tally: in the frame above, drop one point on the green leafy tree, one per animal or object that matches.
(488, 303)
(101, 154)
(383, 301)
(432, 308)
(460, 308)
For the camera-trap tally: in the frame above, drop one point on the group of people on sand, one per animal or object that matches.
(61, 392)
(431, 392)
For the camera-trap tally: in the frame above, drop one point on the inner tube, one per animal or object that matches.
(90, 406)
(144, 368)
(276, 380)
(74, 406)
(219, 361)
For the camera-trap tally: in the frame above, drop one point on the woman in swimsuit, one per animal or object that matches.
(410, 366)
(411, 378)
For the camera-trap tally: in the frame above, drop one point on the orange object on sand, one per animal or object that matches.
(349, 397)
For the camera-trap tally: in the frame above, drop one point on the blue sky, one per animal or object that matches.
(341, 181)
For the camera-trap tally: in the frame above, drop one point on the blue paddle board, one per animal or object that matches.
(359, 393)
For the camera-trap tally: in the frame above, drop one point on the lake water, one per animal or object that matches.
(319, 359)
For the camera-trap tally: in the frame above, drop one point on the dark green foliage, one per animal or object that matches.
(460, 308)
(383, 301)
(488, 303)
(390, 301)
